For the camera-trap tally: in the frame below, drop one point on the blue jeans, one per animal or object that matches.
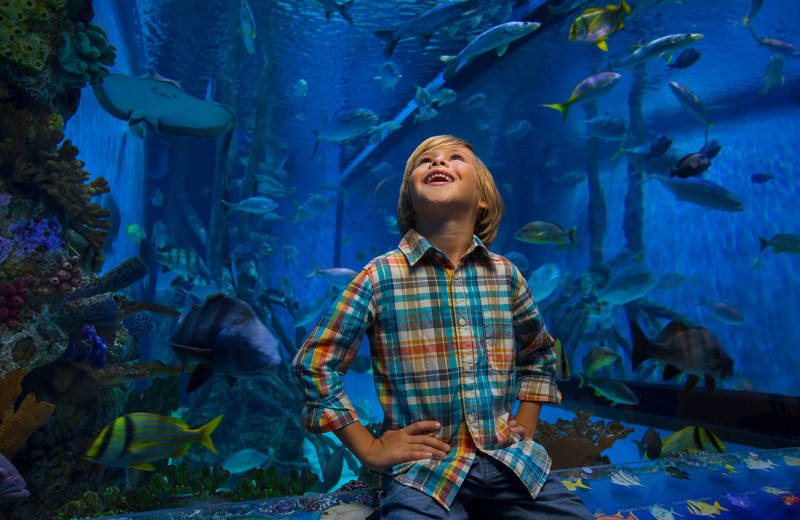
(491, 490)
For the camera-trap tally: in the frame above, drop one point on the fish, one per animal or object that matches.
(332, 6)
(764, 465)
(776, 491)
(782, 243)
(244, 460)
(659, 146)
(628, 284)
(597, 24)
(665, 46)
(518, 259)
(307, 313)
(518, 129)
(597, 359)
(761, 178)
(496, 38)
(345, 124)
(693, 351)
(703, 193)
(544, 281)
(300, 88)
(474, 102)
(791, 500)
(611, 388)
(791, 461)
(256, 205)
(679, 474)
(662, 514)
(157, 199)
(568, 178)
(773, 74)
(755, 7)
(618, 516)
(624, 478)
(590, 89)
(691, 165)
(185, 262)
(690, 102)
(685, 59)
(724, 312)
(673, 280)
(650, 445)
(272, 187)
(348, 512)
(136, 440)
(572, 485)
(703, 509)
(609, 128)
(775, 45)
(12, 485)
(388, 75)
(224, 335)
(693, 438)
(338, 277)
(247, 26)
(316, 204)
(136, 232)
(423, 25)
(740, 500)
(444, 96)
(711, 148)
(541, 232)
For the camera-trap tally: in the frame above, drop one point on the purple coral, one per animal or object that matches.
(87, 346)
(6, 245)
(5, 199)
(28, 235)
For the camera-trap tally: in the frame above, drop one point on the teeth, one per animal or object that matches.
(440, 177)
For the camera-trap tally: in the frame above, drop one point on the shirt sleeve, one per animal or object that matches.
(323, 358)
(536, 356)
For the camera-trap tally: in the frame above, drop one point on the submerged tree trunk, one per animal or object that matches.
(634, 199)
(597, 196)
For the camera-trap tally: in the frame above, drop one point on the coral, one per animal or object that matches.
(29, 235)
(128, 307)
(17, 425)
(12, 299)
(35, 166)
(66, 275)
(86, 346)
(126, 273)
(578, 443)
(140, 324)
(98, 309)
(6, 245)
(23, 34)
(86, 55)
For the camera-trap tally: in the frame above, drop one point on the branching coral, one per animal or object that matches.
(17, 425)
(32, 162)
(578, 443)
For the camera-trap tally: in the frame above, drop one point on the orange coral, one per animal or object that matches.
(17, 425)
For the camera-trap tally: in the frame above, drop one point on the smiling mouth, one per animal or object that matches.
(437, 177)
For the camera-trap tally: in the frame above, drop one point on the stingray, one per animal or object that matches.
(163, 105)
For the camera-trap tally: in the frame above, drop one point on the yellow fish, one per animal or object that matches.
(702, 509)
(136, 232)
(573, 485)
(597, 24)
(791, 461)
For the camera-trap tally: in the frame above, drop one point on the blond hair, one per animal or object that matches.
(488, 219)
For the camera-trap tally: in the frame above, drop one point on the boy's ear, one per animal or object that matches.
(483, 205)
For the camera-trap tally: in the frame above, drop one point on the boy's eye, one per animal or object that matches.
(424, 160)
(456, 157)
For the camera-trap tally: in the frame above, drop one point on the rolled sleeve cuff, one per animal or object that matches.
(328, 414)
(541, 389)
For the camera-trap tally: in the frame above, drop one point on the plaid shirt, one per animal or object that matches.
(442, 342)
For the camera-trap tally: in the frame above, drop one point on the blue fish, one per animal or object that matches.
(590, 89)
(711, 148)
(136, 440)
(12, 485)
(659, 146)
(685, 59)
(741, 500)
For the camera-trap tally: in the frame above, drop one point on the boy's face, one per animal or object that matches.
(444, 179)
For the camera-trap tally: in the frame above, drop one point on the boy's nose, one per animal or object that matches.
(438, 159)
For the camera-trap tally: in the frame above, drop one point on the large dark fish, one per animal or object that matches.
(693, 351)
(12, 485)
(703, 193)
(224, 335)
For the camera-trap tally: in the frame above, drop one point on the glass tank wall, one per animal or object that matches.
(647, 163)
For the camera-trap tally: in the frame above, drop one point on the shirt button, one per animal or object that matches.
(462, 321)
(470, 418)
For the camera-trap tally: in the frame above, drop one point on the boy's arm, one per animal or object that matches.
(394, 447)
(527, 419)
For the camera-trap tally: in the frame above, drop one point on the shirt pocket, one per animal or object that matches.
(498, 332)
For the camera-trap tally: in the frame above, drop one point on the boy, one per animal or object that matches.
(442, 315)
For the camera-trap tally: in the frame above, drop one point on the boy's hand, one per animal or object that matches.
(519, 429)
(405, 445)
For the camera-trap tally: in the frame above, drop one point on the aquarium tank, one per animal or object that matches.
(186, 188)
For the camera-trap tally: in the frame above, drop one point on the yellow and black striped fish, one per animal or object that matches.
(137, 439)
(693, 438)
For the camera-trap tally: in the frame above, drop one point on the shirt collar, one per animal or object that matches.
(414, 246)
